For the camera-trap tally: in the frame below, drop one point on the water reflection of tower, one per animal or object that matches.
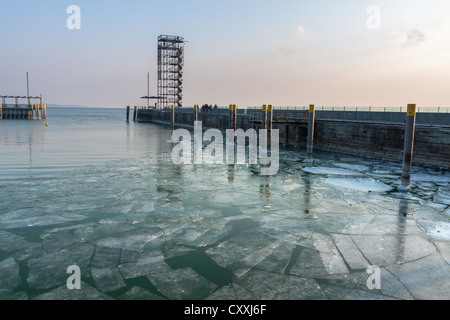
(306, 177)
(401, 229)
(231, 173)
(264, 188)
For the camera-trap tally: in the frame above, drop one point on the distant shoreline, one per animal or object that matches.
(66, 106)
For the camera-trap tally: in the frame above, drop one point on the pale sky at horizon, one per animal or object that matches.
(246, 52)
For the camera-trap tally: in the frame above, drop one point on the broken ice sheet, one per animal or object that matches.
(133, 240)
(10, 279)
(422, 177)
(138, 293)
(331, 171)
(203, 235)
(241, 253)
(309, 264)
(50, 270)
(331, 258)
(10, 242)
(353, 167)
(359, 184)
(385, 250)
(269, 286)
(147, 263)
(107, 279)
(183, 284)
(62, 293)
(25, 218)
(426, 278)
(439, 230)
(350, 252)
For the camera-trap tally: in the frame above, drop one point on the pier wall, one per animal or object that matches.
(381, 140)
(16, 113)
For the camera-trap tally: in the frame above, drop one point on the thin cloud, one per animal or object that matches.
(414, 38)
(300, 30)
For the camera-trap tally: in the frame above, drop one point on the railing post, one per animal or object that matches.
(409, 145)
(312, 119)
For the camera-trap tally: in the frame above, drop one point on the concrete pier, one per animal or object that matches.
(374, 134)
(11, 108)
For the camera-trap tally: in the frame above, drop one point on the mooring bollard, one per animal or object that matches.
(135, 114)
(312, 119)
(128, 113)
(409, 145)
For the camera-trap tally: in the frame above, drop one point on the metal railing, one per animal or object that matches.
(426, 116)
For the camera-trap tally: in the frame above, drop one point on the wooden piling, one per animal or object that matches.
(231, 117)
(235, 116)
(36, 108)
(173, 117)
(44, 111)
(1, 112)
(128, 113)
(135, 114)
(311, 124)
(264, 117)
(409, 145)
(270, 123)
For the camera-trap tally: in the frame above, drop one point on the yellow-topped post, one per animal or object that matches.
(44, 111)
(264, 117)
(311, 125)
(173, 117)
(196, 112)
(409, 145)
(1, 112)
(232, 119)
(270, 122)
(235, 116)
(135, 113)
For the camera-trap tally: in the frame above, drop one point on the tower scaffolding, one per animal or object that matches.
(170, 70)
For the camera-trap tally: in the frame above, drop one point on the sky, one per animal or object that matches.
(246, 52)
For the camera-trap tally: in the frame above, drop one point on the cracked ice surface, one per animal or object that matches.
(144, 228)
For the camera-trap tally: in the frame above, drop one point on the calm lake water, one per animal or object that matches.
(95, 191)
